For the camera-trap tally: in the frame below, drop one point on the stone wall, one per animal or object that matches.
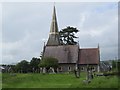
(93, 67)
(66, 67)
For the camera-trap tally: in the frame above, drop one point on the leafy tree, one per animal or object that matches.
(23, 66)
(113, 64)
(48, 62)
(34, 64)
(12, 68)
(67, 35)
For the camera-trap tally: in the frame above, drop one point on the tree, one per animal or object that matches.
(23, 66)
(12, 68)
(67, 36)
(34, 64)
(48, 62)
(113, 64)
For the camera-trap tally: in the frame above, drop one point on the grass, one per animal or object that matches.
(0, 80)
(56, 81)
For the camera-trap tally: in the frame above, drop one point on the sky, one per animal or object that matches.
(26, 26)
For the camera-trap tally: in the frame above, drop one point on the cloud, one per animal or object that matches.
(22, 49)
(100, 27)
(0, 33)
(26, 27)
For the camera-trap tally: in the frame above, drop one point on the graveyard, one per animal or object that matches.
(64, 62)
(64, 80)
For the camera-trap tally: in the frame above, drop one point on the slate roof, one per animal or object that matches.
(53, 40)
(64, 53)
(89, 56)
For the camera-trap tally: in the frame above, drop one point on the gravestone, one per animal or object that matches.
(89, 76)
(77, 73)
(44, 70)
(51, 70)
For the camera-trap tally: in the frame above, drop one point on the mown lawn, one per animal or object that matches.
(0, 80)
(56, 81)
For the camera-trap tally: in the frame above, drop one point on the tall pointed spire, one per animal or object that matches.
(54, 26)
(54, 34)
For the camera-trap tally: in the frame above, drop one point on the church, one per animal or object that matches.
(69, 57)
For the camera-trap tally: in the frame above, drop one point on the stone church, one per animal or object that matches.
(69, 57)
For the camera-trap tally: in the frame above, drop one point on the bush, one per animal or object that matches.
(48, 62)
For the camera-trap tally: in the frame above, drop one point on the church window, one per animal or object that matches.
(60, 68)
(82, 68)
(69, 68)
(93, 68)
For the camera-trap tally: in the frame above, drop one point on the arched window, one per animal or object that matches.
(82, 68)
(69, 68)
(93, 68)
(60, 68)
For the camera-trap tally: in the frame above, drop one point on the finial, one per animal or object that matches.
(98, 45)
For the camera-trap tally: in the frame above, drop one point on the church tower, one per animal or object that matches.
(53, 39)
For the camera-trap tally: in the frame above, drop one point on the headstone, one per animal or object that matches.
(33, 69)
(57, 70)
(44, 70)
(12, 74)
(51, 70)
(86, 81)
(77, 73)
(40, 70)
(89, 73)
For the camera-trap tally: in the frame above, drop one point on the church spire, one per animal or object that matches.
(54, 34)
(54, 26)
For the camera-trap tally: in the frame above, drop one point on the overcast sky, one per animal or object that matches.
(26, 26)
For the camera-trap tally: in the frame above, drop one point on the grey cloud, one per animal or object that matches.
(26, 27)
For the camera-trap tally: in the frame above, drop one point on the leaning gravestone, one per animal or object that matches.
(89, 77)
(77, 73)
